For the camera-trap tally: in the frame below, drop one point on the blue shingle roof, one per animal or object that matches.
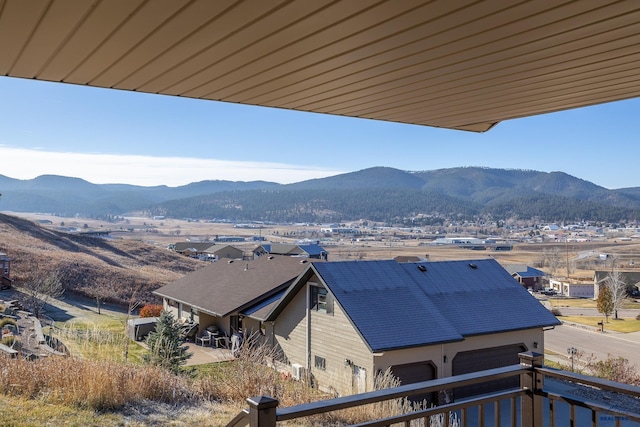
(531, 272)
(312, 250)
(396, 305)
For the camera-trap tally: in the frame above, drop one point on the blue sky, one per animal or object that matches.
(110, 136)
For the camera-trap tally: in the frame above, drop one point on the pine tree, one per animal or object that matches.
(165, 346)
(605, 301)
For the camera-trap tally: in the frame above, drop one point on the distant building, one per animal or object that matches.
(527, 276)
(207, 250)
(572, 289)
(309, 251)
(229, 239)
(630, 278)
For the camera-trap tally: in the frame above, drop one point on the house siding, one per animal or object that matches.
(334, 338)
(289, 330)
(331, 336)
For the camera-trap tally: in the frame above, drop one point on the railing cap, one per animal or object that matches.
(262, 402)
(531, 358)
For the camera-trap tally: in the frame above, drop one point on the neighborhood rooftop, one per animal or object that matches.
(223, 287)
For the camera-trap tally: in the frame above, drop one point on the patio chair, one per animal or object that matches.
(205, 338)
(188, 332)
(221, 341)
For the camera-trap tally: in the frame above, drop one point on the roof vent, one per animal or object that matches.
(472, 265)
(422, 267)
(270, 257)
(246, 267)
(303, 261)
(230, 261)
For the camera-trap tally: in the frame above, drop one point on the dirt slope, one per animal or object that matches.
(113, 269)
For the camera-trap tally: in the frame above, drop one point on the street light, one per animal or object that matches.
(572, 352)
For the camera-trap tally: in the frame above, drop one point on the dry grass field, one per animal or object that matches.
(150, 233)
(116, 270)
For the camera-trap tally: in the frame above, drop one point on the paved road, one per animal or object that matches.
(577, 311)
(596, 343)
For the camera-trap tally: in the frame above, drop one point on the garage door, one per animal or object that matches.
(414, 373)
(487, 358)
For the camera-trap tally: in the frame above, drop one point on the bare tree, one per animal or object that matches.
(618, 290)
(553, 259)
(133, 305)
(42, 287)
(102, 291)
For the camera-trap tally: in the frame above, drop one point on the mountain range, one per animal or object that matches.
(378, 194)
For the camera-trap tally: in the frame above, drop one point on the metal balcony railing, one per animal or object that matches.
(564, 399)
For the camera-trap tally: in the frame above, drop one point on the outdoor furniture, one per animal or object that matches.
(205, 338)
(188, 332)
(222, 341)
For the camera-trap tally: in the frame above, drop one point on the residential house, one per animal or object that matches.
(5, 271)
(224, 251)
(340, 323)
(630, 278)
(233, 296)
(527, 276)
(207, 250)
(308, 250)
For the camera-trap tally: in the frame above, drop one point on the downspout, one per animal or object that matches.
(308, 329)
(273, 333)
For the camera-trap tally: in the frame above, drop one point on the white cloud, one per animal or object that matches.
(147, 170)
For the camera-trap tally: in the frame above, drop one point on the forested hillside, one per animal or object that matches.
(377, 194)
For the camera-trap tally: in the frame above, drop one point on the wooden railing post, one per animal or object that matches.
(532, 402)
(262, 411)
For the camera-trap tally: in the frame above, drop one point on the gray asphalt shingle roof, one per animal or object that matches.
(222, 288)
(396, 305)
(524, 271)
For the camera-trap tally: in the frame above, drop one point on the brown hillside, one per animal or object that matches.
(112, 269)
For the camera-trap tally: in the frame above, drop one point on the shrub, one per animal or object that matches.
(165, 345)
(556, 311)
(616, 369)
(151, 310)
(8, 321)
(11, 341)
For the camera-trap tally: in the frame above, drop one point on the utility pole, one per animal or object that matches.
(566, 246)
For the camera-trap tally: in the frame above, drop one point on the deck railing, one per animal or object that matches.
(532, 404)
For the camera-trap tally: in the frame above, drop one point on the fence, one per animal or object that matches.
(532, 404)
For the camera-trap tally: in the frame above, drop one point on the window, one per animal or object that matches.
(321, 300)
(318, 299)
(320, 363)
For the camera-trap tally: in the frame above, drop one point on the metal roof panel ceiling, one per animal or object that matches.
(461, 65)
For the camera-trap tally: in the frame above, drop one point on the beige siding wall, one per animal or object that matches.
(289, 330)
(436, 353)
(334, 339)
(330, 336)
(173, 309)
